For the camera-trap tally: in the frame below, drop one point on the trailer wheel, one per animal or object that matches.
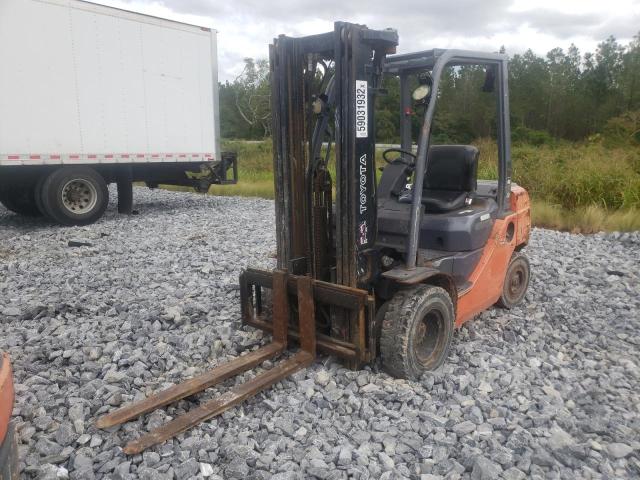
(20, 200)
(516, 281)
(75, 196)
(416, 331)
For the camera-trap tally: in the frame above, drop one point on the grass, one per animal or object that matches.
(579, 187)
(572, 175)
(245, 188)
(589, 219)
(255, 171)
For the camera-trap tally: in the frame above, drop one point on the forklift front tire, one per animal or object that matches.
(516, 281)
(416, 331)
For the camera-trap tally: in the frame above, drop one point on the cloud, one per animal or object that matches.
(560, 24)
(247, 27)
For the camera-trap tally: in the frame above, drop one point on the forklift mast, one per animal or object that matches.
(323, 92)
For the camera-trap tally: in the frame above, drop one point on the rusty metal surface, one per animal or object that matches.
(323, 292)
(306, 318)
(280, 307)
(357, 346)
(324, 343)
(264, 380)
(191, 387)
(313, 101)
(218, 374)
(215, 407)
(372, 330)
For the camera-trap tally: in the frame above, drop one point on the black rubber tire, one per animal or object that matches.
(37, 195)
(20, 199)
(516, 281)
(52, 196)
(377, 326)
(416, 331)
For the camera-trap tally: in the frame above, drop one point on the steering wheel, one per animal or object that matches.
(399, 150)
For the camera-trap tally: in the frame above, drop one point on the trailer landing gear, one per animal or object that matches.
(124, 181)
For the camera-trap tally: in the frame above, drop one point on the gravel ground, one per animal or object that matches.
(548, 390)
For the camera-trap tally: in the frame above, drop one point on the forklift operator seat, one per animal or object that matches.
(451, 177)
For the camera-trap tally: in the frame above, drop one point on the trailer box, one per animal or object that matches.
(92, 95)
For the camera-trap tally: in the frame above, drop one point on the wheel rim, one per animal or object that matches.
(428, 335)
(516, 283)
(79, 196)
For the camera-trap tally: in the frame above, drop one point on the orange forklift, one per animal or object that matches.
(368, 269)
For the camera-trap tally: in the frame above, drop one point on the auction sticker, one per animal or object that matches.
(362, 112)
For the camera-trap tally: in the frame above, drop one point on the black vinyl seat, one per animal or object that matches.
(451, 177)
(451, 223)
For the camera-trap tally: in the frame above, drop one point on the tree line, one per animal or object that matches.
(564, 94)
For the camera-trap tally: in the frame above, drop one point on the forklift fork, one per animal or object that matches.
(304, 357)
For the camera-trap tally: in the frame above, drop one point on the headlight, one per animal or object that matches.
(421, 92)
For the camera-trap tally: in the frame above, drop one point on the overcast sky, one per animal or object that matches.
(246, 27)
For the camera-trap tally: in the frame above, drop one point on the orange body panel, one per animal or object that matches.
(487, 279)
(6, 395)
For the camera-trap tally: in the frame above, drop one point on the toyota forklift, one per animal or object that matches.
(367, 269)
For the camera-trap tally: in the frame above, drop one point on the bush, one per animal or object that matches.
(449, 130)
(622, 131)
(386, 130)
(571, 175)
(529, 136)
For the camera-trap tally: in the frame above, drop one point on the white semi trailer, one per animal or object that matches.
(92, 95)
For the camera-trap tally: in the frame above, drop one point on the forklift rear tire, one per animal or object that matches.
(516, 281)
(416, 331)
(74, 196)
